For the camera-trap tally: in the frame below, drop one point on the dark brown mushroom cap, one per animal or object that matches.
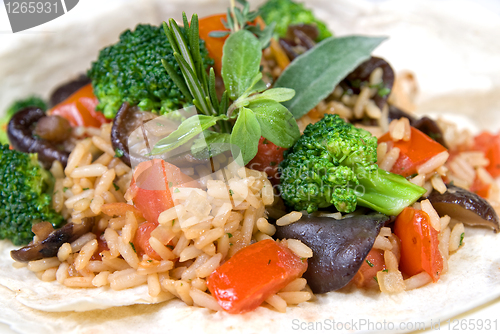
(50, 245)
(67, 89)
(21, 135)
(339, 246)
(465, 206)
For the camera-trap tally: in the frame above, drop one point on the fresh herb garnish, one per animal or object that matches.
(369, 263)
(461, 239)
(132, 245)
(254, 111)
(229, 235)
(118, 153)
(238, 19)
(314, 74)
(116, 186)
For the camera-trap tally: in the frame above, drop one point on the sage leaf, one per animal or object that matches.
(240, 62)
(314, 74)
(277, 124)
(186, 131)
(276, 94)
(245, 136)
(211, 144)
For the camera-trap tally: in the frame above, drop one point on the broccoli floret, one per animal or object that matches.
(32, 101)
(25, 196)
(131, 71)
(287, 12)
(334, 163)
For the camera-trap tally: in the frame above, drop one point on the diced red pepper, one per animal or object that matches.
(268, 159)
(414, 152)
(214, 45)
(79, 109)
(150, 187)
(419, 244)
(480, 188)
(141, 241)
(374, 262)
(102, 245)
(490, 145)
(253, 274)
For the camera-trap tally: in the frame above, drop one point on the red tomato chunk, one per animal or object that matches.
(253, 274)
(268, 159)
(419, 244)
(414, 152)
(367, 273)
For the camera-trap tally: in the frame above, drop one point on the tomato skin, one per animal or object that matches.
(141, 241)
(480, 188)
(374, 262)
(79, 109)
(151, 185)
(490, 145)
(268, 159)
(414, 152)
(253, 274)
(419, 244)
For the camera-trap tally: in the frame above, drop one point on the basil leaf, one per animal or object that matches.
(240, 62)
(211, 144)
(245, 136)
(186, 131)
(276, 122)
(314, 74)
(275, 94)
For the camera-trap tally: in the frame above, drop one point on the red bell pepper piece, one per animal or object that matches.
(414, 152)
(253, 274)
(268, 159)
(151, 185)
(419, 244)
(367, 273)
(490, 145)
(214, 45)
(79, 109)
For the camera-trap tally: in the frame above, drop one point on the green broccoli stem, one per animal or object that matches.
(386, 192)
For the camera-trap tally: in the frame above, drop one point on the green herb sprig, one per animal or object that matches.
(255, 110)
(238, 19)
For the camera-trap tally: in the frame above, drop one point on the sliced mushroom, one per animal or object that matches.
(465, 206)
(50, 245)
(339, 246)
(424, 124)
(362, 74)
(21, 135)
(127, 119)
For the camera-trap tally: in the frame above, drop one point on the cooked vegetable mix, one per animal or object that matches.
(244, 158)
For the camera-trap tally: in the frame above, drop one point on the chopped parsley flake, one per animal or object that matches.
(133, 247)
(461, 239)
(116, 187)
(118, 153)
(369, 263)
(176, 190)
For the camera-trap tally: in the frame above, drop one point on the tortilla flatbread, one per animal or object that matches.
(29, 305)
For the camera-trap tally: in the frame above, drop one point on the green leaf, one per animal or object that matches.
(275, 94)
(211, 144)
(276, 122)
(179, 82)
(245, 136)
(186, 131)
(218, 33)
(314, 74)
(212, 90)
(240, 62)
